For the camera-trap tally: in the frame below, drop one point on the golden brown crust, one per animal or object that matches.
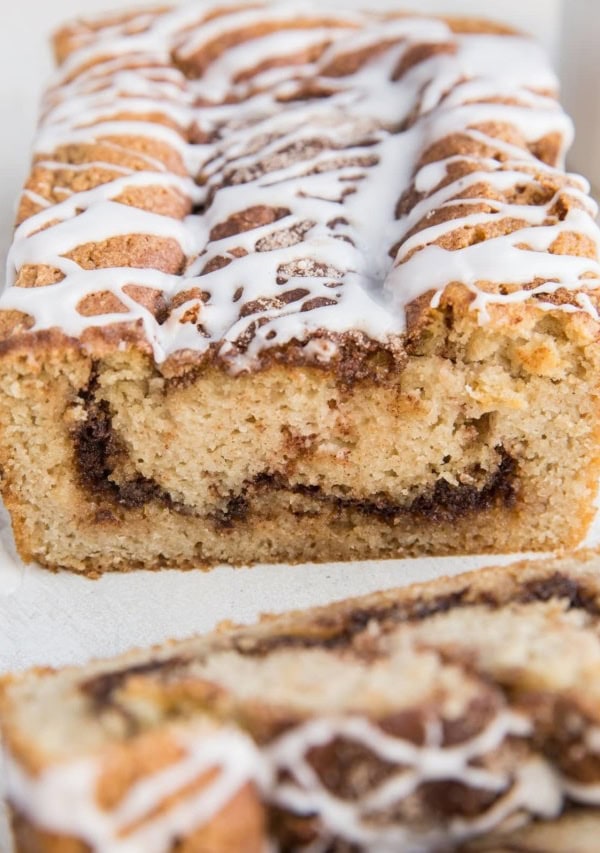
(73, 35)
(502, 583)
(479, 25)
(238, 828)
(145, 251)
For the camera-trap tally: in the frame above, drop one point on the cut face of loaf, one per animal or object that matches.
(297, 284)
(460, 712)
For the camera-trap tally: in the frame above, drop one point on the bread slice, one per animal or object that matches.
(293, 282)
(464, 711)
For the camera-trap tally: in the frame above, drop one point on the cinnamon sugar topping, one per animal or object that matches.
(400, 152)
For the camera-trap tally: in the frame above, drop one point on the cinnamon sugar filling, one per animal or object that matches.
(98, 451)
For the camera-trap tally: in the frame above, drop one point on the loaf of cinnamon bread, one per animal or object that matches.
(292, 282)
(391, 722)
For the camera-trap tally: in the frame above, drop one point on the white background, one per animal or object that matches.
(47, 619)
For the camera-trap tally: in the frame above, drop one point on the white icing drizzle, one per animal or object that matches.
(63, 798)
(335, 166)
(533, 787)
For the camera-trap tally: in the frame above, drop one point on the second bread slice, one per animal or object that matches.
(444, 715)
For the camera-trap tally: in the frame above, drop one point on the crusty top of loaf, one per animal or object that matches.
(242, 182)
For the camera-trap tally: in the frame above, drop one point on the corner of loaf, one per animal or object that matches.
(284, 297)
